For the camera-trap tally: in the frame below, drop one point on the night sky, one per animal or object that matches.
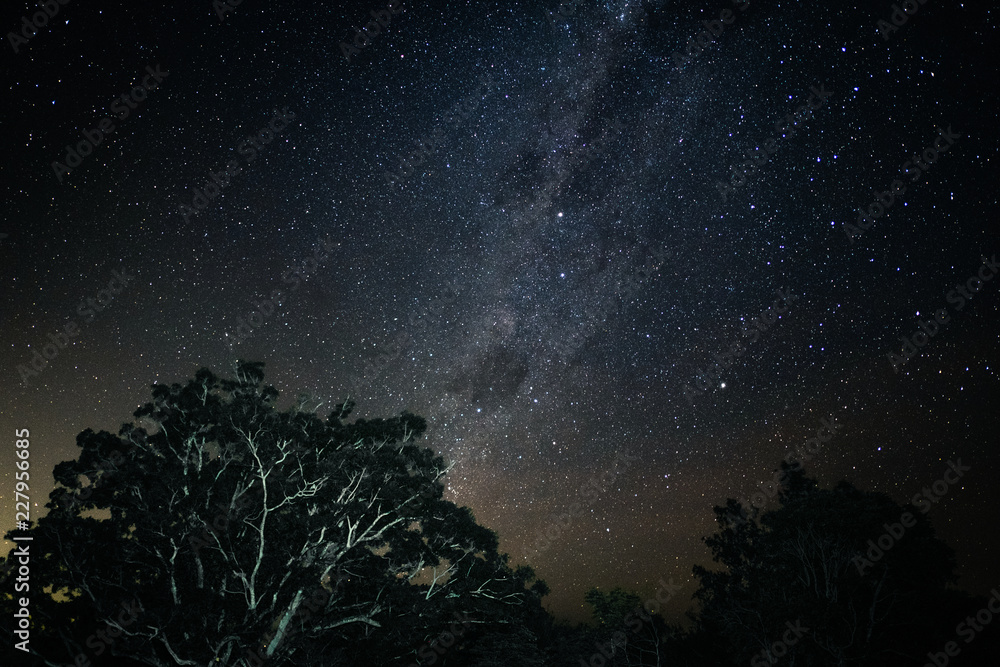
(534, 229)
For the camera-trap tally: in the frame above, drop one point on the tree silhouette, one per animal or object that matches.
(626, 632)
(804, 565)
(245, 535)
(216, 530)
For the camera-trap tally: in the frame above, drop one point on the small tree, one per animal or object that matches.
(626, 630)
(804, 564)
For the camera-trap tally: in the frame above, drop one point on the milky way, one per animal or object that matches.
(539, 228)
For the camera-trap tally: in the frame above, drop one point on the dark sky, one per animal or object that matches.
(549, 280)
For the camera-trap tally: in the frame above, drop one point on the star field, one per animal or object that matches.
(551, 283)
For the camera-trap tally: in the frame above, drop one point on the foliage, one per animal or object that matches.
(805, 563)
(252, 534)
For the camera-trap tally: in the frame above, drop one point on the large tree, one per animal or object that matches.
(241, 533)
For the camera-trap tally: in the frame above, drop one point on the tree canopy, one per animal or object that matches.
(805, 576)
(245, 533)
(217, 530)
